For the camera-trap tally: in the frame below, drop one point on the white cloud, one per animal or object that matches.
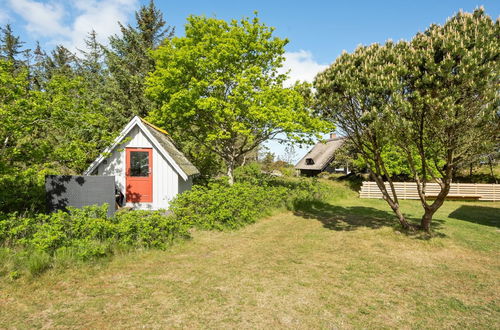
(42, 19)
(70, 23)
(4, 17)
(102, 16)
(302, 66)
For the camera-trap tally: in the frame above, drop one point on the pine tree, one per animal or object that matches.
(38, 69)
(10, 46)
(92, 66)
(93, 56)
(61, 61)
(129, 61)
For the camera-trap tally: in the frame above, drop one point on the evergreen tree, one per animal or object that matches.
(10, 46)
(93, 56)
(92, 67)
(129, 61)
(38, 68)
(61, 61)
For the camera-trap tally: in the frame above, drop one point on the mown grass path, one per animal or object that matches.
(334, 265)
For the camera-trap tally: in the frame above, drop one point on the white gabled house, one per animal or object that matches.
(149, 170)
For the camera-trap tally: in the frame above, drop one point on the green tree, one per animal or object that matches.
(15, 120)
(92, 60)
(10, 45)
(37, 68)
(60, 62)
(355, 92)
(219, 87)
(268, 160)
(452, 79)
(59, 129)
(129, 61)
(435, 99)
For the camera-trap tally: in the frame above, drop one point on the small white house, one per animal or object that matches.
(149, 170)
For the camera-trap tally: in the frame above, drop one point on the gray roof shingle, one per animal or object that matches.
(169, 146)
(321, 154)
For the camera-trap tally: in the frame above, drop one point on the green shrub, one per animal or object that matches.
(251, 173)
(288, 171)
(23, 190)
(37, 242)
(38, 262)
(87, 249)
(149, 229)
(220, 206)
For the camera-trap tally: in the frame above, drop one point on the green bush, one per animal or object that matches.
(289, 171)
(251, 173)
(35, 243)
(23, 190)
(149, 229)
(220, 206)
(38, 262)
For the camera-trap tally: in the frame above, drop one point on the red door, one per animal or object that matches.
(139, 175)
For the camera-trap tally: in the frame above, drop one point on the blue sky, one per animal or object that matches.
(318, 30)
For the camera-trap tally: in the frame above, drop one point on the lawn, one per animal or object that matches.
(332, 265)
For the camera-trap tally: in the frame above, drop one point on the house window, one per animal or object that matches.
(309, 161)
(139, 163)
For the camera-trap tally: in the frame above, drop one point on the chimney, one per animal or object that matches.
(333, 135)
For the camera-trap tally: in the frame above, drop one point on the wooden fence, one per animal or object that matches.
(408, 190)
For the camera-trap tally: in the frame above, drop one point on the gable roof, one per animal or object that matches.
(168, 144)
(160, 139)
(321, 155)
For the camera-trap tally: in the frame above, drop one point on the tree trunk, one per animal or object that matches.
(392, 203)
(402, 220)
(425, 223)
(230, 175)
(490, 163)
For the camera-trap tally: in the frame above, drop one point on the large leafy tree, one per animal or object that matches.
(58, 130)
(356, 92)
(219, 87)
(56, 125)
(453, 78)
(435, 99)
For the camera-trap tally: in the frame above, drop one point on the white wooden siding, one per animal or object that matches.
(167, 183)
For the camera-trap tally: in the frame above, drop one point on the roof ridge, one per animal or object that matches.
(153, 126)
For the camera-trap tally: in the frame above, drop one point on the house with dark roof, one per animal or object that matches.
(148, 168)
(321, 156)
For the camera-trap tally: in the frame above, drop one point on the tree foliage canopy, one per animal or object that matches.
(434, 98)
(219, 85)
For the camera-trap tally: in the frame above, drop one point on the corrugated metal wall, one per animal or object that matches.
(78, 191)
(408, 190)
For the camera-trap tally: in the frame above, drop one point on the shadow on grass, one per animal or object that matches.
(350, 218)
(483, 215)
